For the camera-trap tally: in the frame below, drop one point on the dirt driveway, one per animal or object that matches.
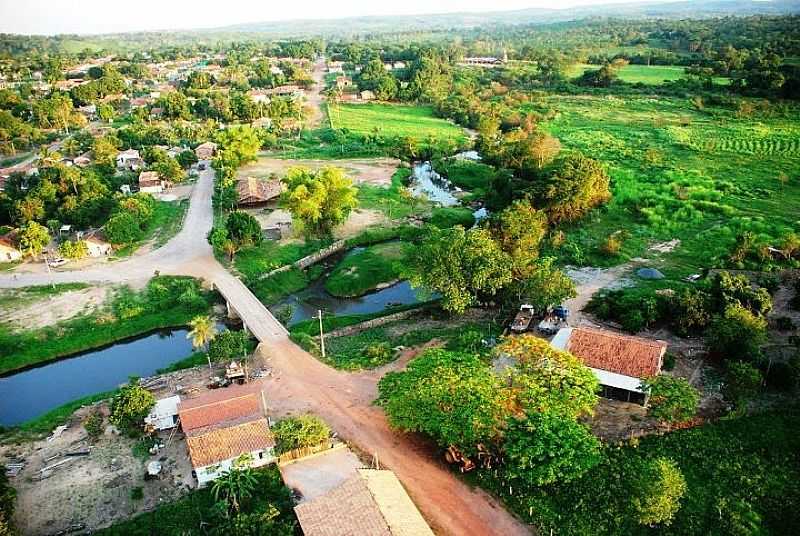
(37, 313)
(375, 171)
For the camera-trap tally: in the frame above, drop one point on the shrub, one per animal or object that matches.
(229, 345)
(690, 311)
(243, 229)
(612, 246)
(742, 382)
(130, 406)
(378, 353)
(672, 399)
(299, 432)
(93, 424)
(137, 493)
(659, 489)
(73, 250)
(737, 334)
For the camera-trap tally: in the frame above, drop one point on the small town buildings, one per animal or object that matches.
(150, 182)
(335, 66)
(343, 82)
(83, 160)
(619, 362)
(206, 151)
(225, 429)
(9, 252)
(259, 96)
(129, 160)
(367, 95)
(90, 111)
(252, 191)
(164, 414)
(97, 245)
(286, 91)
(372, 502)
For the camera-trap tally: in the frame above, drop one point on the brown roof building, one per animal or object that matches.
(371, 503)
(253, 191)
(226, 428)
(620, 362)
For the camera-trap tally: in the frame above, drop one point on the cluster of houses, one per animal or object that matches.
(228, 429)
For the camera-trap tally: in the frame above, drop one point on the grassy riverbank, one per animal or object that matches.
(365, 270)
(166, 302)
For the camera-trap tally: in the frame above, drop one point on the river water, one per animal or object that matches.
(32, 392)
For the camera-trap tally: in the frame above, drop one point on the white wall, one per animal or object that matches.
(209, 473)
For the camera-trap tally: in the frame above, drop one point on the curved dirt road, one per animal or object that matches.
(302, 383)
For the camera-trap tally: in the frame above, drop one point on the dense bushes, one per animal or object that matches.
(299, 432)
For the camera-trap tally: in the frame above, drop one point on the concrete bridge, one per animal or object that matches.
(242, 304)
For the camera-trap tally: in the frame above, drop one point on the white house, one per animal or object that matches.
(164, 414)
(150, 182)
(130, 160)
(619, 362)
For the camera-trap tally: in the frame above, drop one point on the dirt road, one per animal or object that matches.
(314, 97)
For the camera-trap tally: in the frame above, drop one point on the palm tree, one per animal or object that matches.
(203, 332)
(234, 486)
(230, 248)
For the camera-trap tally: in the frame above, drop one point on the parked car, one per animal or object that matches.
(55, 263)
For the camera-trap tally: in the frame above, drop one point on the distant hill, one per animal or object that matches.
(381, 24)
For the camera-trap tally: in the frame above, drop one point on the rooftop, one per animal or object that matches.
(220, 407)
(230, 442)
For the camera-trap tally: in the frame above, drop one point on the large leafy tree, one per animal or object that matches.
(737, 334)
(577, 185)
(319, 200)
(672, 399)
(463, 266)
(123, 228)
(519, 230)
(243, 229)
(453, 397)
(549, 380)
(658, 490)
(545, 287)
(229, 345)
(130, 406)
(33, 238)
(547, 448)
(234, 487)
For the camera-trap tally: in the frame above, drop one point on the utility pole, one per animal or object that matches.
(49, 272)
(321, 334)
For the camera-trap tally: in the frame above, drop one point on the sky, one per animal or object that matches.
(115, 16)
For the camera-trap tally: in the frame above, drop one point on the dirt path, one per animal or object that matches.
(52, 309)
(374, 171)
(303, 384)
(314, 97)
(588, 281)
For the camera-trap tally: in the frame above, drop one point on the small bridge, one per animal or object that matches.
(243, 304)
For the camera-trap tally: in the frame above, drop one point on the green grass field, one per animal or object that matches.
(393, 120)
(651, 75)
(702, 176)
(365, 269)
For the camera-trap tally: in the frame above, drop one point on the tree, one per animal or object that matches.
(170, 169)
(545, 287)
(545, 379)
(453, 397)
(230, 248)
(547, 448)
(123, 228)
(742, 382)
(33, 238)
(319, 201)
(175, 105)
(73, 250)
(105, 112)
(672, 400)
(186, 159)
(658, 491)
(737, 334)
(202, 333)
(234, 486)
(243, 229)
(728, 290)
(229, 345)
(130, 406)
(577, 185)
(526, 150)
(299, 432)
(519, 230)
(462, 266)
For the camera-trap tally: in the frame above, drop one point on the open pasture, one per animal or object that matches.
(651, 75)
(702, 176)
(393, 120)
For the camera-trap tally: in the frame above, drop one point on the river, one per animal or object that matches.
(32, 392)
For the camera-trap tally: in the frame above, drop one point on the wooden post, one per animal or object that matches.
(321, 334)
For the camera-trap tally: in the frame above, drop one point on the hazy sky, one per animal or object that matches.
(112, 16)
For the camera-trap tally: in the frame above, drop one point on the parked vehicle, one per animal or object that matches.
(55, 263)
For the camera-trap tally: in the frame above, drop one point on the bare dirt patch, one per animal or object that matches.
(359, 220)
(52, 309)
(374, 171)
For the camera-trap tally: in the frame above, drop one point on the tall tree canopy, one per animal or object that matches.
(319, 201)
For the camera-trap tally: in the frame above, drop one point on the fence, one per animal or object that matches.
(304, 452)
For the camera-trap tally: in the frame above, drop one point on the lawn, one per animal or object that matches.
(363, 270)
(254, 261)
(393, 120)
(701, 175)
(650, 75)
(166, 222)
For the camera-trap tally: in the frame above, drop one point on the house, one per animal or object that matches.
(150, 182)
(90, 111)
(164, 414)
(252, 191)
(372, 502)
(83, 160)
(226, 429)
(130, 160)
(97, 244)
(343, 82)
(367, 95)
(8, 248)
(399, 65)
(619, 362)
(205, 151)
(335, 66)
(259, 96)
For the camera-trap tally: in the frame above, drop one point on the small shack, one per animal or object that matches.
(164, 414)
(252, 191)
(619, 362)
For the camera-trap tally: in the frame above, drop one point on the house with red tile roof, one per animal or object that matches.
(226, 429)
(620, 362)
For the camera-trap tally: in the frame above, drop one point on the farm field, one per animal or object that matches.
(702, 176)
(393, 120)
(651, 75)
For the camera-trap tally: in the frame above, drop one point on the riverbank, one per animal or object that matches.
(166, 302)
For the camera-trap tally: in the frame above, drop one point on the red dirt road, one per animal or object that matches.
(300, 383)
